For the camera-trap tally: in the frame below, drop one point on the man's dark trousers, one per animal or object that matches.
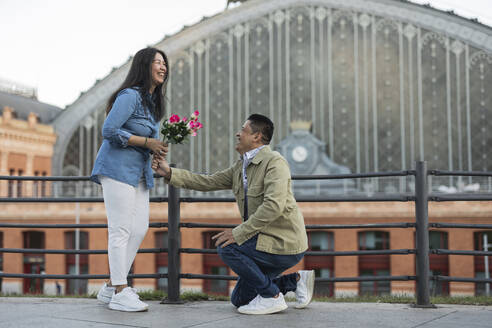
(258, 271)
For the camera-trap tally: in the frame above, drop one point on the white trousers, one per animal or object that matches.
(127, 209)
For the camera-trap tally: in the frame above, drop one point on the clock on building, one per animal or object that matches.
(299, 154)
(302, 151)
(306, 155)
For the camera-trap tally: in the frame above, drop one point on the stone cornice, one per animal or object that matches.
(26, 137)
(21, 125)
(35, 138)
(35, 149)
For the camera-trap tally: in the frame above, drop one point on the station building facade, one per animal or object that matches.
(360, 86)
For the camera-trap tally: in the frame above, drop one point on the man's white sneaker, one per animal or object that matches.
(304, 290)
(127, 301)
(105, 293)
(261, 305)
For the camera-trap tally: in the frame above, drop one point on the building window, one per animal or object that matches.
(323, 266)
(161, 264)
(39, 187)
(33, 263)
(19, 184)
(76, 286)
(438, 263)
(213, 264)
(43, 186)
(35, 186)
(374, 265)
(480, 260)
(11, 184)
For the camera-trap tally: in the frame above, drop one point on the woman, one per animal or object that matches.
(130, 135)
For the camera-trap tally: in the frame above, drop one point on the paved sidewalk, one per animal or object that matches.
(65, 312)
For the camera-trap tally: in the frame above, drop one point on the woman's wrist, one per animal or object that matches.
(145, 142)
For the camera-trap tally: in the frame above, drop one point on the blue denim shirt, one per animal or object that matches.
(117, 159)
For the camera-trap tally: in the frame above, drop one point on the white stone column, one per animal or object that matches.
(4, 155)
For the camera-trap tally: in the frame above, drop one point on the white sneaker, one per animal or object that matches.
(105, 293)
(305, 287)
(261, 305)
(127, 301)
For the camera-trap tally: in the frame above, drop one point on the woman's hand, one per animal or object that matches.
(158, 147)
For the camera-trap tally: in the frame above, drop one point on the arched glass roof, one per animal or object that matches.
(384, 82)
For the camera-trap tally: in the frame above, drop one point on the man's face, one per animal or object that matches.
(247, 139)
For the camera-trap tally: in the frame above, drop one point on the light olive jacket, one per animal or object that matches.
(272, 209)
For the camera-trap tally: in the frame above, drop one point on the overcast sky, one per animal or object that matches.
(62, 46)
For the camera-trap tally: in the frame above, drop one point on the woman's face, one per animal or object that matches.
(158, 70)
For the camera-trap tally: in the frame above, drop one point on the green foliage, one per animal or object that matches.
(93, 295)
(152, 295)
(463, 300)
(185, 296)
(406, 299)
(402, 299)
(190, 296)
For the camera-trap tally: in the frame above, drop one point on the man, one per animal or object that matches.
(272, 237)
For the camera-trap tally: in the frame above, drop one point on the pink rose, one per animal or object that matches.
(195, 114)
(174, 119)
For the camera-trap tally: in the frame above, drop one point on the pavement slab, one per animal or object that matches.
(20, 312)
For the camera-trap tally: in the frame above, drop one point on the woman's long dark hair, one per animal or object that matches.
(140, 77)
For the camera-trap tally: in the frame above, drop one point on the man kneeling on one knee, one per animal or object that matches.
(272, 237)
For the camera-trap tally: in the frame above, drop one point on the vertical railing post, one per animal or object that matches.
(422, 234)
(174, 244)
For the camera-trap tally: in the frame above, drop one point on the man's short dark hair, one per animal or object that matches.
(262, 124)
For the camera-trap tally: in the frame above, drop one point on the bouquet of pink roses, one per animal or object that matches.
(176, 130)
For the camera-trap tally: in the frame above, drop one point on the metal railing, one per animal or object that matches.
(421, 197)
